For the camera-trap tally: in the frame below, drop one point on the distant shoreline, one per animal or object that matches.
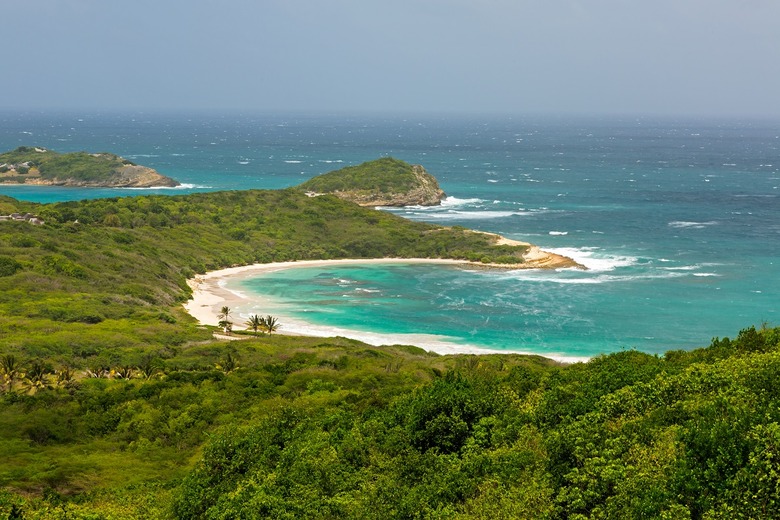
(210, 294)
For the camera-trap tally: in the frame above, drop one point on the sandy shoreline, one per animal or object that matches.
(210, 294)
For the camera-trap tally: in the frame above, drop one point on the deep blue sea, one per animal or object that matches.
(678, 220)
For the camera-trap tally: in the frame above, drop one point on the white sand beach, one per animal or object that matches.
(210, 294)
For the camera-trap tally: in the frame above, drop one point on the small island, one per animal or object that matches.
(39, 166)
(382, 182)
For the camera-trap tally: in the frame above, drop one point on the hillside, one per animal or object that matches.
(128, 256)
(115, 404)
(34, 165)
(383, 182)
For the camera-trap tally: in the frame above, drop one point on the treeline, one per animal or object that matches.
(308, 428)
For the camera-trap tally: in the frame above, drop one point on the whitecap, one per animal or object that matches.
(580, 278)
(471, 215)
(179, 187)
(558, 233)
(293, 162)
(682, 224)
(706, 274)
(449, 202)
(595, 260)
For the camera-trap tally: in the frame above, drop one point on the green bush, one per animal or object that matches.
(8, 266)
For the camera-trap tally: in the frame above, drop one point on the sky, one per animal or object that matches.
(665, 57)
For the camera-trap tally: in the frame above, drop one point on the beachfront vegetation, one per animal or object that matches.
(115, 404)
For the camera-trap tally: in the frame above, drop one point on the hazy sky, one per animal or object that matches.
(718, 57)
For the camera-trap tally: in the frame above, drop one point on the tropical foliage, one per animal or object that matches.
(115, 404)
(308, 428)
(77, 165)
(385, 175)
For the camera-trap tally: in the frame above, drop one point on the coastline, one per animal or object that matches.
(210, 293)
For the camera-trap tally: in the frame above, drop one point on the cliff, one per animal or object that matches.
(39, 166)
(383, 182)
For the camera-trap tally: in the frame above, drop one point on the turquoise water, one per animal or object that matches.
(678, 220)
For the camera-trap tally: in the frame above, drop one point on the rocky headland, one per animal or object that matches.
(383, 182)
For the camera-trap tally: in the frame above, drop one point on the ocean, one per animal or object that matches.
(677, 220)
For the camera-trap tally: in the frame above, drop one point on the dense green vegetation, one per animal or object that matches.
(115, 404)
(308, 428)
(81, 166)
(109, 273)
(385, 175)
(124, 258)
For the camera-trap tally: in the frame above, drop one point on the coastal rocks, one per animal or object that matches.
(383, 182)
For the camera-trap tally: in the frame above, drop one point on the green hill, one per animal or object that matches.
(33, 165)
(126, 257)
(383, 182)
(115, 404)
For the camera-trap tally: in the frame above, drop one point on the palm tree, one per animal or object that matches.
(123, 372)
(270, 324)
(147, 367)
(64, 377)
(10, 371)
(98, 372)
(224, 319)
(228, 364)
(255, 322)
(37, 377)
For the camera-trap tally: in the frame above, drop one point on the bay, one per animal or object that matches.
(677, 219)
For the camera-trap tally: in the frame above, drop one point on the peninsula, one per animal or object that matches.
(383, 182)
(116, 403)
(39, 166)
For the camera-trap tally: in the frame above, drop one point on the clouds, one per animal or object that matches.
(565, 56)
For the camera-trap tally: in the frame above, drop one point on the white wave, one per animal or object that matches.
(492, 180)
(449, 202)
(586, 278)
(558, 233)
(142, 155)
(471, 215)
(683, 224)
(243, 162)
(682, 268)
(595, 260)
(293, 162)
(706, 274)
(326, 161)
(179, 187)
